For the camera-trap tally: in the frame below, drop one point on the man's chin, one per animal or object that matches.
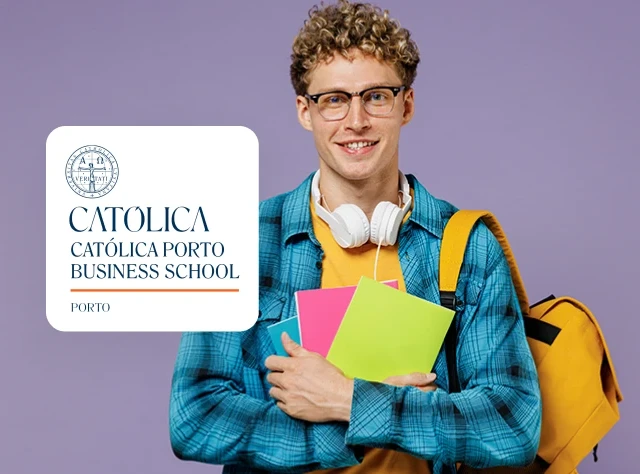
(357, 171)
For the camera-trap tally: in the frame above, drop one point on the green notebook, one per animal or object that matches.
(388, 332)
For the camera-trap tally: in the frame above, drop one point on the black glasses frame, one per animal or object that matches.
(394, 89)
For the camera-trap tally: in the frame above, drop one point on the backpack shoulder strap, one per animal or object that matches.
(454, 244)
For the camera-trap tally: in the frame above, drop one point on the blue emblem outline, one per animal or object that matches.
(107, 155)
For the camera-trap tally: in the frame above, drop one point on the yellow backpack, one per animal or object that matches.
(579, 388)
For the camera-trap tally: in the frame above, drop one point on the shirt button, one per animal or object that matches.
(319, 264)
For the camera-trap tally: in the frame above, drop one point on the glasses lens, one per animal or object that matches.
(333, 106)
(378, 101)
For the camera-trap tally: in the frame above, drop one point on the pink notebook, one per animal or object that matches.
(320, 312)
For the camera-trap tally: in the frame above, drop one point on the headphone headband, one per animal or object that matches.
(404, 189)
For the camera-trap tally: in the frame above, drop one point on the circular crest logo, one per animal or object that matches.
(92, 171)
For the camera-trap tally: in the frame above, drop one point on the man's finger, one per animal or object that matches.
(419, 378)
(278, 363)
(276, 379)
(394, 380)
(428, 388)
(283, 407)
(291, 346)
(277, 394)
(415, 379)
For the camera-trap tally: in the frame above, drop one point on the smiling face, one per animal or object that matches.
(359, 146)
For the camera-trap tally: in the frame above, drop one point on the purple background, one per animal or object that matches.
(528, 109)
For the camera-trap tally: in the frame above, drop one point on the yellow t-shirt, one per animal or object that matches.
(344, 267)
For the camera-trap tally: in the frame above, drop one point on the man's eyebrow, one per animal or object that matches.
(344, 89)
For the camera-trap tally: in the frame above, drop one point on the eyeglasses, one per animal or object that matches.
(377, 101)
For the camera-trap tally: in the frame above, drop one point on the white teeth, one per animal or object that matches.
(358, 145)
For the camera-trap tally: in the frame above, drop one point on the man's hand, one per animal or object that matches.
(424, 382)
(308, 387)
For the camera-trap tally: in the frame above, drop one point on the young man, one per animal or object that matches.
(235, 403)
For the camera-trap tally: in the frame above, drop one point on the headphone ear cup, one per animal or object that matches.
(393, 225)
(355, 221)
(383, 223)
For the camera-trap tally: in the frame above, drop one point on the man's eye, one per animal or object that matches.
(336, 99)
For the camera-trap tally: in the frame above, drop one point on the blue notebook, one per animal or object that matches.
(291, 327)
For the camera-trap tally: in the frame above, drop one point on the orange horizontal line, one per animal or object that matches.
(154, 290)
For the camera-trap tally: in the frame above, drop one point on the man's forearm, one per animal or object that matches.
(263, 437)
(212, 420)
(470, 426)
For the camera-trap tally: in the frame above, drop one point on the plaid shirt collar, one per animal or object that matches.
(296, 217)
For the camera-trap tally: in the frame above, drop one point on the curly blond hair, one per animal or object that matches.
(339, 28)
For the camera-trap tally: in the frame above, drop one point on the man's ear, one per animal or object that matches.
(304, 114)
(409, 106)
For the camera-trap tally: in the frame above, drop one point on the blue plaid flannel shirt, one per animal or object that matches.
(221, 412)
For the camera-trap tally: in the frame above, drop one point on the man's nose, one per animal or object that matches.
(357, 117)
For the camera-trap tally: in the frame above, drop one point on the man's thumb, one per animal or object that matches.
(420, 378)
(291, 346)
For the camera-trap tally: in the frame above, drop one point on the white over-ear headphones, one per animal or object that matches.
(350, 226)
